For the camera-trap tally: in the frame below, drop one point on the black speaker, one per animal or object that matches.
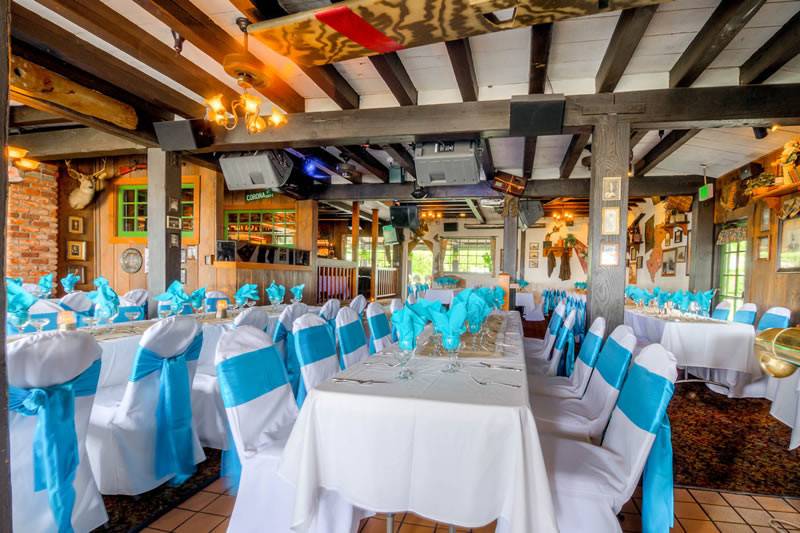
(530, 211)
(450, 226)
(537, 114)
(179, 135)
(404, 216)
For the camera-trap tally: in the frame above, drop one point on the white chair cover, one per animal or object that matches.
(575, 385)
(722, 311)
(41, 309)
(40, 362)
(380, 333)
(124, 427)
(542, 349)
(351, 337)
(775, 317)
(746, 314)
(137, 296)
(358, 304)
(283, 339)
(257, 318)
(564, 341)
(76, 301)
(588, 416)
(315, 352)
(261, 410)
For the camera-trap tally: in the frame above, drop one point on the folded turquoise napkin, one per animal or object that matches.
(521, 282)
(451, 325)
(106, 301)
(297, 291)
(276, 292)
(70, 281)
(174, 294)
(487, 294)
(426, 308)
(499, 297)
(408, 325)
(197, 298)
(18, 300)
(46, 285)
(248, 291)
(463, 296)
(477, 312)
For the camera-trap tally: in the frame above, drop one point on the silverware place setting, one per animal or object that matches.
(489, 382)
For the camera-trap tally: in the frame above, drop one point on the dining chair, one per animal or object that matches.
(283, 339)
(139, 297)
(328, 312)
(565, 338)
(588, 416)
(351, 337)
(358, 304)
(637, 440)
(257, 318)
(575, 385)
(380, 333)
(53, 375)
(774, 317)
(316, 353)
(80, 304)
(261, 410)
(722, 311)
(395, 305)
(40, 310)
(142, 434)
(746, 314)
(543, 348)
(212, 297)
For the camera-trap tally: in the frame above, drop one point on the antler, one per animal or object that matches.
(101, 174)
(74, 174)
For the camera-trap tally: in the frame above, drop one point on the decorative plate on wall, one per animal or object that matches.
(131, 260)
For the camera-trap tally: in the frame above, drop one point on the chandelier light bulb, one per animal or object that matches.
(277, 119)
(13, 152)
(26, 164)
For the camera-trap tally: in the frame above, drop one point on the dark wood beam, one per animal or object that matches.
(541, 37)
(401, 156)
(57, 41)
(665, 147)
(324, 157)
(573, 154)
(391, 69)
(27, 117)
(360, 155)
(701, 266)
(200, 30)
(74, 143)
(628, 32)
(637, 136)
(725, 22)
(476, 210)
(464, 69)
(487, 161)
(774, 54)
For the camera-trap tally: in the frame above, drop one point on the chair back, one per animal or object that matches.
(553, 327)
(565, 341)
(45, 361)
(316, 353)
(139, 297)
(607, 379)
(587, 357)
(257, 318)
(746, 314)
(380, 333)
(395, 305)
(283, 339)
(722, 311)
(299, 308)
(77, 302)
(212, 297)
(358, 304)
(775, 317)
(255, 389)
(136, 313)
(640, 413)
(351, 337)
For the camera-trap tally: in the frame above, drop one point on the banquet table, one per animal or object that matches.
(716, 350)
(440, 295)
(440, 445)
(785, 396)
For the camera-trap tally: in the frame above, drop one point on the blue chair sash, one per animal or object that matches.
(52, 325)
(211, 303)
(174, 451)
(590, 349)
(612, 363)
(292, 363)
(378, 328)
(770, 320)
(351, 338)
(312, 345)
(721, 313)
(744, 317)
(55, 441)
(566, 345)
(129, 309)
(555, 324)
(644, 401)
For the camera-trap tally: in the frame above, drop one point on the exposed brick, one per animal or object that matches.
(32, 229)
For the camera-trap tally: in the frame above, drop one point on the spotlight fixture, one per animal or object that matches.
(419, 193)
(26, 164)
(14, 152)
(775, 127)
(760, 133)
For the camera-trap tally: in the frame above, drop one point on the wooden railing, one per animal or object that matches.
(387, 282)
(335, 279)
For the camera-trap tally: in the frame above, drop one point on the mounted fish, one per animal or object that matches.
(359, 28)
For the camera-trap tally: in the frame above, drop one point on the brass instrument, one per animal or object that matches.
(778, 351)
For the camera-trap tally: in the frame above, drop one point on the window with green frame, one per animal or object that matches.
(132, 210)
(274, 227)
(733, 260)
(365, 251)
(469, 256)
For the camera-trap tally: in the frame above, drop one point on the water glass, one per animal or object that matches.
(19, 321)
(131, 315)
(403, 356)
(164, 310)
(39, 323)
(451, 344)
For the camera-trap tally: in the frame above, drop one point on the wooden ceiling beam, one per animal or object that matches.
(573, 154)
(460, 54)
(401, 156)
(476, 210)
(487, 161)
(774, 54)
(391, 69)
(628, 32)
(665, 147)
(27, 117)
(360, 155)
(53, 39)
(541, 37)
(74, 143)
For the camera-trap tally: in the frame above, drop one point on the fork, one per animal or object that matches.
(499, 367)
(479, 382)
(358, 381)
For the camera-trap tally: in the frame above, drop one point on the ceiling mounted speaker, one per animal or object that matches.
(348, 171)
(180, 135)
(259, 170)
(447, 163)
(537, 114)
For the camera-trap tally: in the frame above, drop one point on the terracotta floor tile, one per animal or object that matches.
(414, 528)
(172, 519)
(741, 500)
(773, 503)
(698, 526)
(200, 523)
(223, 527)
(708, 496)
(411, 518)
(722, 513)
(223, 505)
(682, 495)
(725, 527)
(689, 510)
(219, 486)
(755, 517)
(631, 522)
(677, 527)
(794, 518)
(374, 526)
(489, 528)
(198, 501)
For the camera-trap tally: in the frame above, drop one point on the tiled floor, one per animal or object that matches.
(696, 511)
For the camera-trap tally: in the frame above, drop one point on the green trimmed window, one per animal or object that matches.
(132, 210)
(273, 227)
(365, 251)
(469, 256)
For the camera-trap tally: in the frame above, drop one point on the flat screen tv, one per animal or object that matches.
(389, 235)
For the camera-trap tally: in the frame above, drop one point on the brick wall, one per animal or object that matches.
(32, 229)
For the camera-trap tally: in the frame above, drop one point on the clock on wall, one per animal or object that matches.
(131, 260)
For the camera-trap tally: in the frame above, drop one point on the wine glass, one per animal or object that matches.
(403, 356)
(90, 321)
(131, 315)
(20, 321)
(274, 303)
(451, 344)
(694, 308)
(39, 323)
(164, 310)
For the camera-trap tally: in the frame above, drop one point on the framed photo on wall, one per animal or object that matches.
(680, 255)
(610, 224)
(649, 234)
(76, 250)
(668, 263)
(75, 225)
(612, 188)
(764, 218)
(762, 251)
(789, 245)
(78, 270)
(609, 254)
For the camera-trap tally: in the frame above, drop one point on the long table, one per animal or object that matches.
(440, 445)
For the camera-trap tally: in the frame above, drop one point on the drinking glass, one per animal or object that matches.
(274, 303)
(694, 308)
(164, 311)
(451, 344)
(39, 323)
(403, 356)
(19, 321)
(131, 315)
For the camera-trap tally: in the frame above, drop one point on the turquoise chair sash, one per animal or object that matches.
(292, 363)
(129, 309)
(311, 345)
(721, 313)
(745, 317)
(55, 442)
(378, 328)
(612, 363)
(590, 349)
(555, 324)
(351, 338)
(174, 451)
(566, 345)
(770, 320)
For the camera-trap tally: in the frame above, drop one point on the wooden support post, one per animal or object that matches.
(163, 244)
(610, 159)
(5, 449)
(509, 266)
(701, 253)
(354, 233)
(373, 280)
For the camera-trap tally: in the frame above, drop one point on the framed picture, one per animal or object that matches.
(763, 248)
(75, 225)
(609, 254)
(668, 262)
(680, 255)
(78, 270)
(610, 224)
(174, 240)
(76, 250)
(174, 205)
(174, 223)
(634, 252)
(640, 262)
(789, 245)
(632, 273)
(668, 238)
(680, 218)
(183, 256)
(649, 234)
(191, 252)
(764, 218)
(183, 275)
(678, 237)
(612, 188)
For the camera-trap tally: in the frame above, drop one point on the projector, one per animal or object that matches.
(447, 163)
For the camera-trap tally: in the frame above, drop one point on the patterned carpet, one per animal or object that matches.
(731, 444)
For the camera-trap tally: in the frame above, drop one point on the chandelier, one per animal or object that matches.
(246, 108)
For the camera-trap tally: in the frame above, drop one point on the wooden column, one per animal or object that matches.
(163, 245)
(5, 474)
(354, 232)
(521, 252)
(405, 264)
(701, 253)
(373, 280)
(509, 266)
(610, 159)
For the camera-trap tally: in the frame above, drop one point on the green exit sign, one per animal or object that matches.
(260, 195)
(706, 192)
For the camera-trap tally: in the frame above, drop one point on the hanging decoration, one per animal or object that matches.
(733, 234)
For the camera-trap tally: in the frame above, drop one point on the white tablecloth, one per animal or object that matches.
(439, 445)
(441, 295)
(532, 311)
(785, 396)
(724, 348)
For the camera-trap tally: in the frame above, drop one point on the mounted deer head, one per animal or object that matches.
(88, 185)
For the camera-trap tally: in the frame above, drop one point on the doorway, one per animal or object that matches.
(421, 259)
(733, 273)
